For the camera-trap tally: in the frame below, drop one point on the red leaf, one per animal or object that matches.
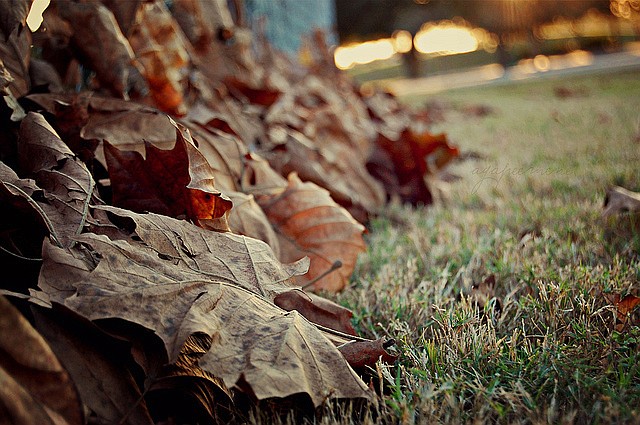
(176, 182)
(413, 156)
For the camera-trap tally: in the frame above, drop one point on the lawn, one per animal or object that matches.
(544, 343)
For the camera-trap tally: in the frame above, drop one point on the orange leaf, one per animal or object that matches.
(177, 182)
(624, 306)
(310, 223)
(162, 53)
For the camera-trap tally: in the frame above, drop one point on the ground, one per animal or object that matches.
(546, 342)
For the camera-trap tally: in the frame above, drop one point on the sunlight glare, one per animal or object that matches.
(445, 39)
(346, 57)
(402, 41)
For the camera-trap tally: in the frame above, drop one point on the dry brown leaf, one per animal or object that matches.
(13, 16)
(413, 156)
(34, 387)
(124, 11)
(362, 354)
(96, 363)
(309, 223)
(619, 200)
(127, 125)
(330, 162)
(243, 91)
(123, 124)
(15, 54)
(17, 113)
(223, 150)
(259, 178)
(188, 14)
(247, 218)
(321, 131)
(177, 182)
(23, 227)
(179, 280)
(99, 41)
(67, 182)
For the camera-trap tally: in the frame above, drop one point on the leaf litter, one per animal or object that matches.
(178, 215)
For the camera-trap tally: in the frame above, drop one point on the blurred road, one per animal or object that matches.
(574, 63)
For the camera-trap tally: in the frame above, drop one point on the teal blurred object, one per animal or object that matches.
(287, 21)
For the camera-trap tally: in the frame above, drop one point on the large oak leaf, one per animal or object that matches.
(310, 223)
(179, 280)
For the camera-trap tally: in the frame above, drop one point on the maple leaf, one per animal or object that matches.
(176, 182)
(179, 280)
(35, 387)
(309, 223)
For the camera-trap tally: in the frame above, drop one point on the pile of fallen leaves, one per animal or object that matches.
(162, 227)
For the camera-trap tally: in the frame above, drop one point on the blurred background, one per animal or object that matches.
(388, 40)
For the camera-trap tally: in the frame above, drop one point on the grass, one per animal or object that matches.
(528, 213)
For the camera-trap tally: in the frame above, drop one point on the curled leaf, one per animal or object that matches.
(97, 365)
(317, 310)
(361, 354)
(619, 200)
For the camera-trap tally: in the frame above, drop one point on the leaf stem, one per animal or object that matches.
(335, 266)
